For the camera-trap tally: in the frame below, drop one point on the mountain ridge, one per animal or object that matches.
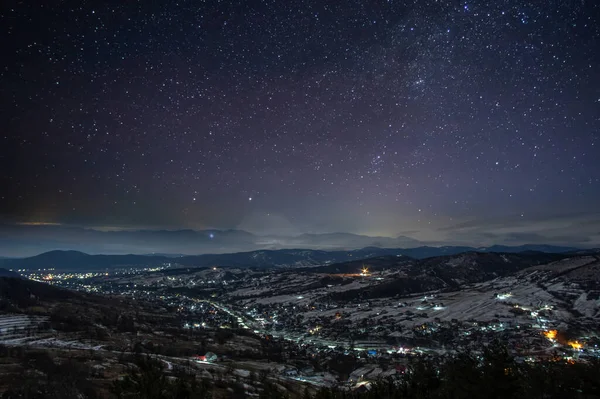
(23, 240)
(263, 258)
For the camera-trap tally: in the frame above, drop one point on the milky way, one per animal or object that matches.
(379, 117)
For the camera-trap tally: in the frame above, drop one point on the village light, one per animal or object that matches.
(575, 345)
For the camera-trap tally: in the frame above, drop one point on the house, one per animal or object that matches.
(362, 387)
(208, 357)
(401, 369)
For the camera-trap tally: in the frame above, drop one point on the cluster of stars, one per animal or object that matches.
(353, 116)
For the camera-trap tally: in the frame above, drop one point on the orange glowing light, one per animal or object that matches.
(550, 334)
(575, 345)
(38, 224)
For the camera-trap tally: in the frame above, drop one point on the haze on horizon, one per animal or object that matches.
(32, 239)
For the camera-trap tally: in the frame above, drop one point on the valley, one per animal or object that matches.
(377, 313)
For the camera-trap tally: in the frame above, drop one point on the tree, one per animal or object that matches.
(148, 381)
(271, 391)
(500, 373)
(493, 375)
(462, 377)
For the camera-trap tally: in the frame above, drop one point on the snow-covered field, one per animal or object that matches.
(50, 343)
(541, 296)
(18, 325)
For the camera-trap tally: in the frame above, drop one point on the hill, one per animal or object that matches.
(443, 273)
(21, 293)
(79, 261)
(8, 273)
(74, 260)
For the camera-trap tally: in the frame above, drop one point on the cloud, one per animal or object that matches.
(565, 229)
(268, 224)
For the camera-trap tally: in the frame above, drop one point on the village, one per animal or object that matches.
(308, 319)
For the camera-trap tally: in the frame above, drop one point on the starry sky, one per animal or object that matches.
(445, 121)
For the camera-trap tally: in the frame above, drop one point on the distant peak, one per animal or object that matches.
(62, 252)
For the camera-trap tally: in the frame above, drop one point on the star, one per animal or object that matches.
(117, 117)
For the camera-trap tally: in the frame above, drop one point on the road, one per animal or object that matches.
(248, 323)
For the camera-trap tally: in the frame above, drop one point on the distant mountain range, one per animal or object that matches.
(290, 258)
(28, 240)
(74, 260)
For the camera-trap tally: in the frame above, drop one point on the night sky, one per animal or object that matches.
(439, 120)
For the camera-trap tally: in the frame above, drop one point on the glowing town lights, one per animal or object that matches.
(315, 330)
(551, 335)
(364, 271)
(575, 345)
